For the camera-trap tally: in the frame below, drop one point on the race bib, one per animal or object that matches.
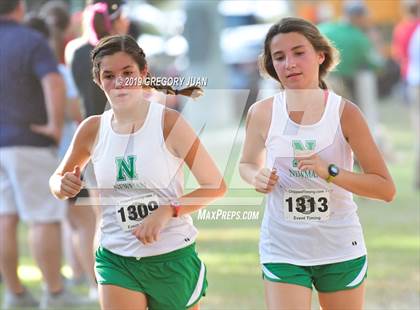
(131, 212)
(306, 205)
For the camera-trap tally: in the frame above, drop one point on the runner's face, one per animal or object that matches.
(295, 61)
(120, 78)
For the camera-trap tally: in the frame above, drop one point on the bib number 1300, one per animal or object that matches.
(131, 212)
(137, 211)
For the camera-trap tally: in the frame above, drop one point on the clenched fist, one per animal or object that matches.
(265, 180)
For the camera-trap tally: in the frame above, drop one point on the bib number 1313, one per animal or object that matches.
(306, 205)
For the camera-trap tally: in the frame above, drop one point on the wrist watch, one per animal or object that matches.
(333, 171)
(176, 208)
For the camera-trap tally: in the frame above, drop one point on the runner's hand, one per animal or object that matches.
(71, 184)
(315, 163)
(148, 231)
(265, 180)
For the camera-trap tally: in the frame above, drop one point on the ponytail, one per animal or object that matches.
(322, 84)
(192, 91)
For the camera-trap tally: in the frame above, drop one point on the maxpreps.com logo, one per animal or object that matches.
(302, 149)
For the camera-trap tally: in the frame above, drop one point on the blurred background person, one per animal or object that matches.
(31, 121)
(406, 52)
(33, 21)
(356, 48)
(362, 64)
(401, 35)
(80, 224)
(413, 82)
(100, 18)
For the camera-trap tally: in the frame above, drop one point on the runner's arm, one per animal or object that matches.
(253, 154)
(78, 153)
(182, 142)
(252, 165)
(375, 180)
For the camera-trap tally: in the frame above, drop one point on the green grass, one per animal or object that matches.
(230, 248)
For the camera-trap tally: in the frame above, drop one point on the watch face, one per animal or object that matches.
(333, 170)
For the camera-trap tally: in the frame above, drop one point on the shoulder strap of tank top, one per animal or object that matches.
(154, 124)
(105, 122)
(332, 117)
(278, 118)
(104, 127)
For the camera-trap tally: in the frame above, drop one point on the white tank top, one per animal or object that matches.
(129, 166)
(301, 238)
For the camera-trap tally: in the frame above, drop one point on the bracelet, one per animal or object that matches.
(176, 208)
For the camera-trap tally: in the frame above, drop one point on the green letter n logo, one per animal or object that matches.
(301, 150)
(126, 168)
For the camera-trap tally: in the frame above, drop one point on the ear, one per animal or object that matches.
(321, 58)
(143, 73)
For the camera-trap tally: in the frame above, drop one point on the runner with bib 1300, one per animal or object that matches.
(146, 257)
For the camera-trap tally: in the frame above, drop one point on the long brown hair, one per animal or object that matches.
(125, 43)
(319, 42)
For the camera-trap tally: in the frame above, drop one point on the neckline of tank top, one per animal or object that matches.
(138, 131)
(327, 98)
